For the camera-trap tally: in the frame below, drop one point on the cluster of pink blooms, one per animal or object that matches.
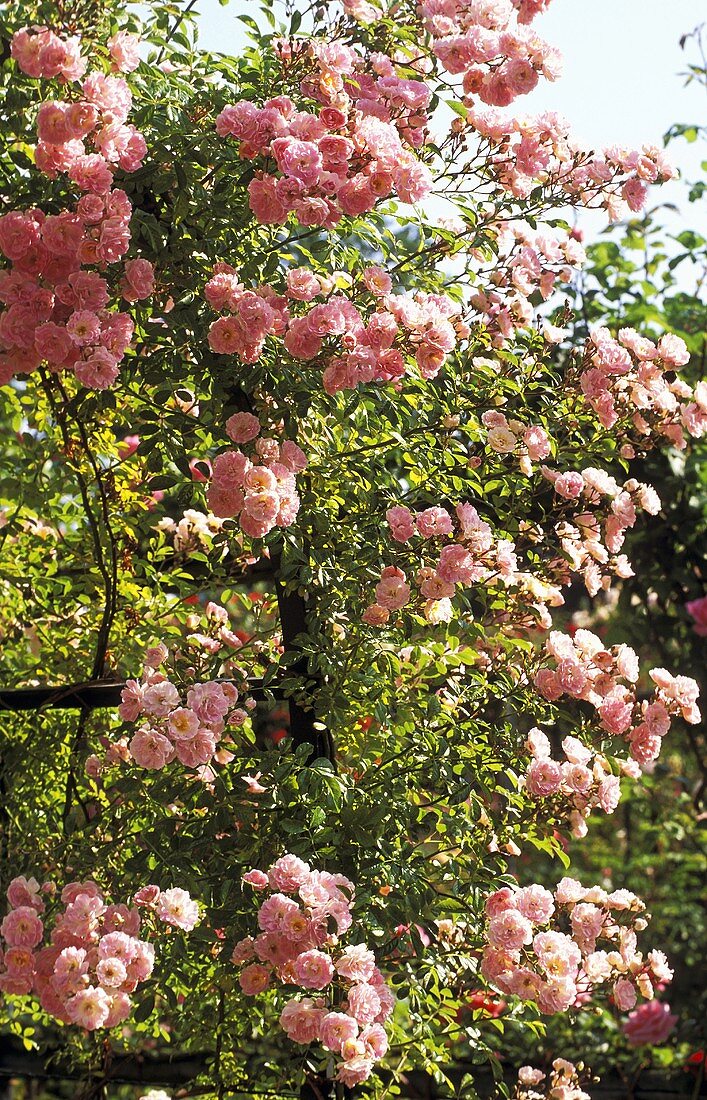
(94, 958)
(556, 949)
(420, 327)
(532, 150)
(190, 729)
(624, 380)
(592, 538)
(528, 260)
(474, 556)
(100, 114)
(260, 490)
(561, 1084)
(583, 780)
(301, 922)
(606, 678)
(649, 1024)
(55, 297)
(499, 57)
(505, 436)
(356, 150)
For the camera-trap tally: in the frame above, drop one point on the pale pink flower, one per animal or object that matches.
(301, 1020)
(242, 427)
(288, 874)
(89, 1008)
(364, 1002)
(22, 927)
(624, 994)
(401, 523)
(434, 522)
(354, 1070)
(673, 350)
(254, 979)
(123, 48)
(500, 901)
(510, 931)
(543, 777)
(257, 879)
(176, 907)
(337, 1028)
(535, 903)
(313, 969)
(25, 892)
(150, 749)
(111, 972)
(392, 591)
(356, 963)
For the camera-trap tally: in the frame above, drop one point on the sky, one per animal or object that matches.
(621, 82)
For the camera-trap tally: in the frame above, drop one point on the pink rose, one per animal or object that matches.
(176, 907)
(356, 963)
(433, 522)
(401, 523)
(336, 1029)
(543, 777)
(150, 749)
(364, 1003)
(697, 609)
(254, 979)
(124, 54)
(301, 1020)
(89, 1008)
(242, 427)
(650, 1023)
(392, 592)
(569, 485)
(673, 350)
(313, 970)
(22, 927)
(138, 280)
(510, 930)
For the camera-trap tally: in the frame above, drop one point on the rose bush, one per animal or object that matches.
(287, 340)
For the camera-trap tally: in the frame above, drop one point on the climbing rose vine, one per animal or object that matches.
(311, 503)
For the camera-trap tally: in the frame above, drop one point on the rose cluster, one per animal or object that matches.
(55, 296)
(261, 489)
(606, 678)
(195, 531)
(99, 115)
(556, 949)
(561, 1084)
(370, 342)
(624, 380)
(355, 151)
(527, 260)
(526, 151)
(583, 780)
(94, 958)
(55, 304)
(592, 538)
(476, 555)
(301, 921)
(191, 724)
(498, 57)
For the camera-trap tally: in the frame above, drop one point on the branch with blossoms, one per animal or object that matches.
(94, 958)
(556, 950)
(302, 920)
